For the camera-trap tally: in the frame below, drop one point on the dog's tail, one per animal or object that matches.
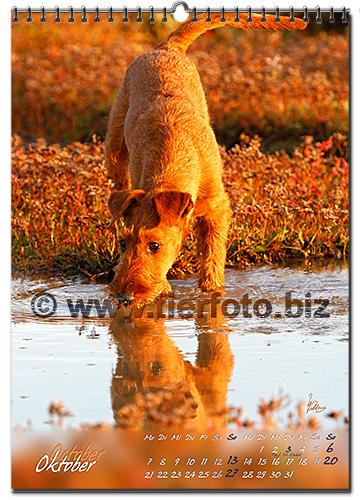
(189, 31)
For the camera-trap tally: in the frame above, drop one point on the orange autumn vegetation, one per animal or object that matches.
(283, 206)
(280, 86)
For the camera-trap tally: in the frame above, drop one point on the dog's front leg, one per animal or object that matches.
(211, 231)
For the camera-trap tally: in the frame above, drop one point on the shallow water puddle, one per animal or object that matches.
(246, 350)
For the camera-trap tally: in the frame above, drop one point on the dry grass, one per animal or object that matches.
(288, 205)
(278, 85)
(283, 206)
(168, 409)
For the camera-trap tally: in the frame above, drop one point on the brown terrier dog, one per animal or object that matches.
(163, 158)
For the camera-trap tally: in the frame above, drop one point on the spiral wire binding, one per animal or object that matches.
(97, 17)
(194, 10)
(83, 15)
(277, 14)
(344, 18)
(151, 19)
(208, 15)
(318, 15)
(306, 17)
(332, 17)
(236, 19)
(194, 18)
(263, 16)
(164, 19)
(291, 18)
(71, 15)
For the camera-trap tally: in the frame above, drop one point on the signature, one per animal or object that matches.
(314, 405)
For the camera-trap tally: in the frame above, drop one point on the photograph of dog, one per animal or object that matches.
(209, 183)
(163, 157)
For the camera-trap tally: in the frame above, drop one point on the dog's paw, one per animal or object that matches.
(209, 283)
(166, 290)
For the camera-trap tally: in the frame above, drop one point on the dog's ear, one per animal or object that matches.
(172, 206)
(120, 201)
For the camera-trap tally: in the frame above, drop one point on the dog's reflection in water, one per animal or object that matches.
(153, 386)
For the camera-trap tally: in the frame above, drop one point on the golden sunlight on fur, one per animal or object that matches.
(163, 158)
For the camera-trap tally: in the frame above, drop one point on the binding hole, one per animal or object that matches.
(151, 19)
(83, 15)
(249, 17)
(164, 14)
(344, 18)
(57, 14)
(292, 20)
(139, 18)
(222, 19)
(71, 15)
(179, 12)
(97, 16)
(15, 16)
(263, 16)
(277, 14)
(332, 17)
(208, 15)
(111, 17)
(28, 19)
(125, 17)
(318, 15)
(42, 17)
(194, 18)
(236, 18)
(306, 17)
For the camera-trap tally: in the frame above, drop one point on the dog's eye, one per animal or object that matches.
(122, 245)
(153, 247)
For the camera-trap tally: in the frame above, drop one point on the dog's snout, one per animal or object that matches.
(125, 301)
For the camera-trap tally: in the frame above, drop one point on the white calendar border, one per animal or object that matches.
(5, 226)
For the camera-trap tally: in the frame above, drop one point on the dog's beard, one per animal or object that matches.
(136, 293)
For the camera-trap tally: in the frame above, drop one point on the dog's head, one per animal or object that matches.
(154, 228)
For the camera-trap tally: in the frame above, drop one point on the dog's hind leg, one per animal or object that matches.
(116, 153)
(211, 230)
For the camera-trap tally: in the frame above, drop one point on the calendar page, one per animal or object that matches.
(180, 240)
